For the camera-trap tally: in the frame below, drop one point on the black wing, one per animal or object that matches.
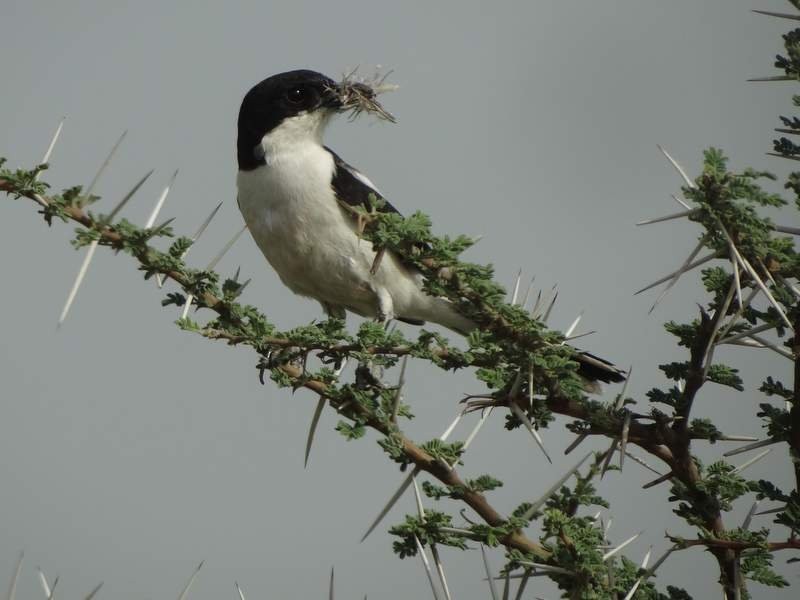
(354, 188)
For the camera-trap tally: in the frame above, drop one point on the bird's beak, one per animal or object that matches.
(332, 98)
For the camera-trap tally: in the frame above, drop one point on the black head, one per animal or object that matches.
(276, 98)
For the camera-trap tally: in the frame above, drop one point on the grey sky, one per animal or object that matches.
(131, 451)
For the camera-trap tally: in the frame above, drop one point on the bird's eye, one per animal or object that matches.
(296, 95)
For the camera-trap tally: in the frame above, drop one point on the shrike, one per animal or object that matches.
(290, 186)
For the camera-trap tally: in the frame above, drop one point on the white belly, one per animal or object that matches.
(294, 218)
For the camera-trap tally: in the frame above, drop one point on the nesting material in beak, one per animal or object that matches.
(359, 95)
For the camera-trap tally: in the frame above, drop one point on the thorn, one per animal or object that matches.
(580, 335)
(87, 260)
(684, 267)
(748, 447)
(46, 157)
(48, 592)
(189, 583)
(777, 14)
(747, 333)
(427, 565)
(440, 570)
(576, 442)
(400, 383)
(626, 425)
(477, 427)
(204, 225)
(749, 517)
(12, 588)
(641, 462)
(752, 461)
(535, 309)
(638, 582)
(313, 428)
(160, 202)
(524, 302)
(239, 590)
(752, 272)
(330, 588)
(618, 403)
(655, 482)
(392, 501)
(94, 591)
(110, 217)
(785, 229)
(91, 186)
(612, 552)
(678, 168)
(679, 272)
(488, 568)
(520, 414)
(678, 215)
(516, 289)
(774, 78)
(771, 511)
(572, 327)
(608, 456)
(787, 131)
(767, 344)
(651, 571)
(553, 489)
(550, 308)
(522, 584)
(214, 262)
(681, 202)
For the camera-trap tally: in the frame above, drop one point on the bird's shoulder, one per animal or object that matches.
(355, 189)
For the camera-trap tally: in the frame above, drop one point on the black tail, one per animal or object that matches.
(594, 368)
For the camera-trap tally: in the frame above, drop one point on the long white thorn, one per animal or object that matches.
(488, 568)
(313, 428)
(678, 168)
(87, 259)
(636, 585)
(400, 383)
(477, 427)
(553, 489)
(211, 265)
(749, 447)
(679, 272)
(406, 482)
(612, 552)
(520, 414)
(427, 565)
(752, 272)
(574, 324)
(160, 202)
(200, 230)
(90, 188)
(515, 293)
(769, 13)
(48, 592)
(747, 333)
(49, 152)
(239, 590)
(748, 519)
(681, 202)
(752, 461)
(12, 588)
(767, 344)
(677, 215)
(189, 583)
(684, 268)
(94, 591)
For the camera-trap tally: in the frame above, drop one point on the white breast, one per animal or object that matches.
(294, 217)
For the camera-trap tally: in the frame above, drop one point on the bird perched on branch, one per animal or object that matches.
(293, 192)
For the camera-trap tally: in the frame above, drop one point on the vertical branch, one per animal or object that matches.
(794, 414)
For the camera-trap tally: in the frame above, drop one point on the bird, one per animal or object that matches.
(293, 192)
